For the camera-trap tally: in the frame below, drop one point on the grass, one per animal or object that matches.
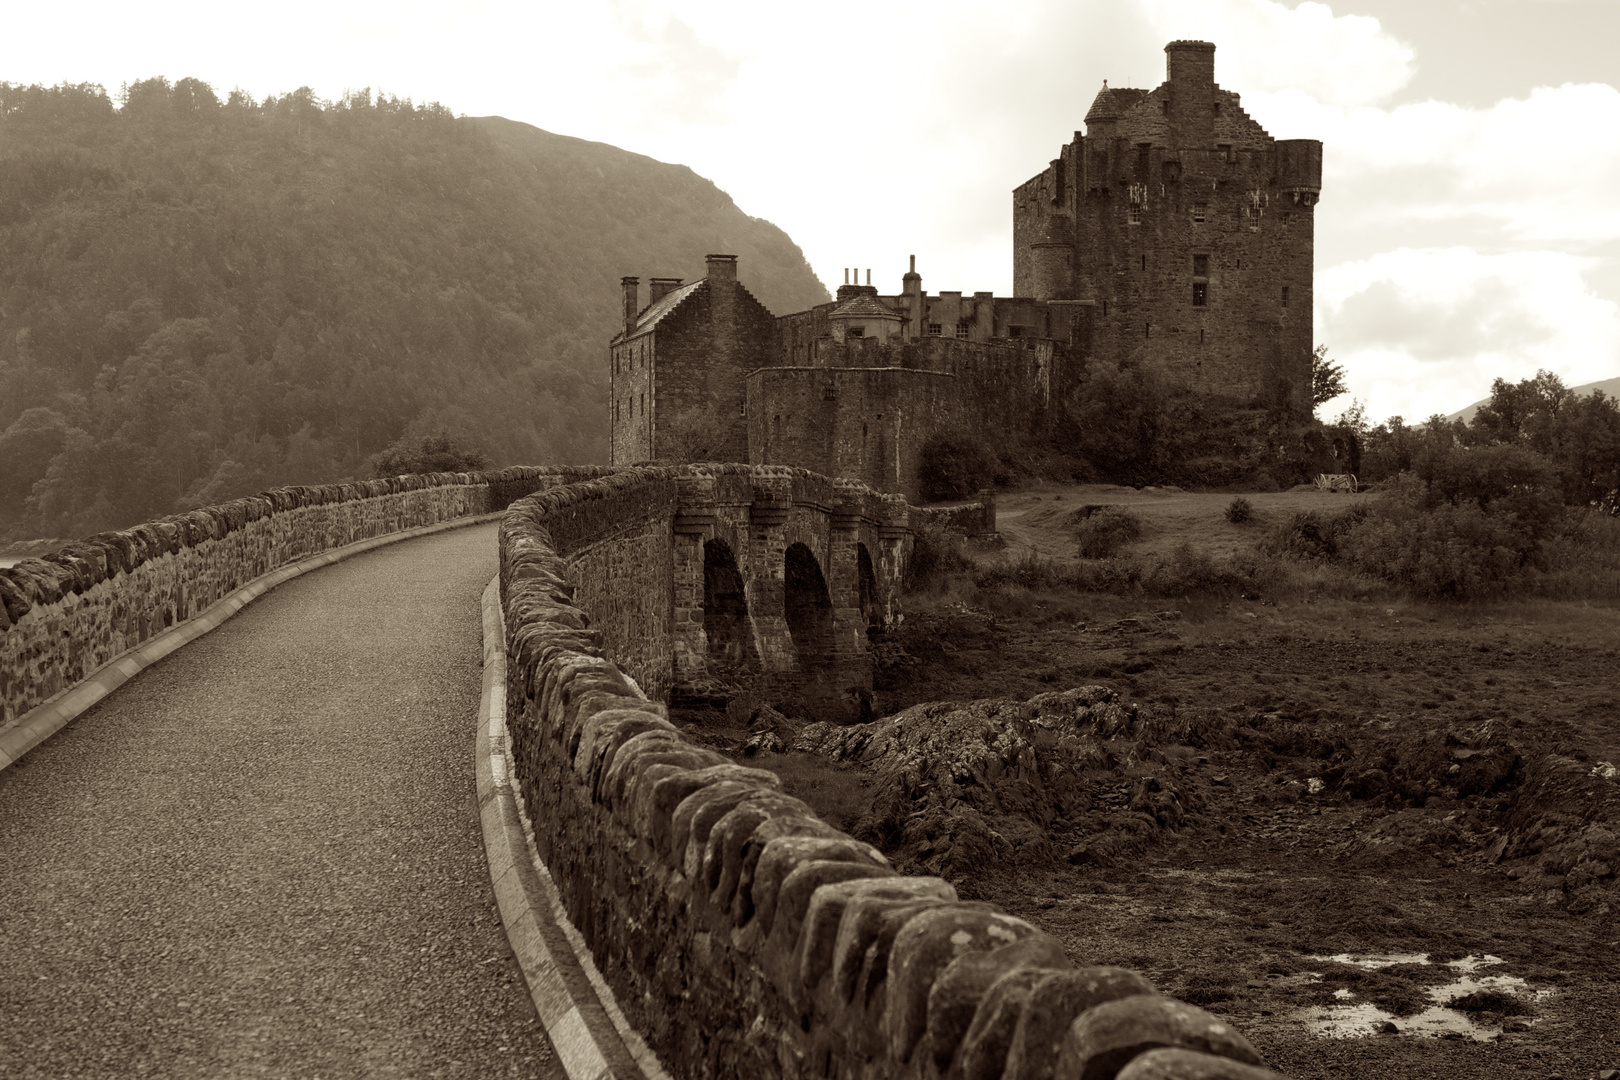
(839, 792)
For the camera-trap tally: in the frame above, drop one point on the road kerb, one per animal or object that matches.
(593, 1039)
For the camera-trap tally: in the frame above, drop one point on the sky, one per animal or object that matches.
(1469, 226)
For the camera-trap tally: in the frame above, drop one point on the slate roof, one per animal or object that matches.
(1112, 102)
(653, 313)
(863, 307)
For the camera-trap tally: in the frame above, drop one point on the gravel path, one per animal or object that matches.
(262, 856)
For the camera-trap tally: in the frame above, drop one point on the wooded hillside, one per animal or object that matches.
(203, 298)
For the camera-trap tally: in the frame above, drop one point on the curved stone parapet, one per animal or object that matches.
(67, 613)
(743, 936)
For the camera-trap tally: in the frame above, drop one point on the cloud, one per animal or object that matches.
(1426, 330)
(1262, 47)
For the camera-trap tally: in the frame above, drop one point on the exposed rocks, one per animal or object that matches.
(959, 786)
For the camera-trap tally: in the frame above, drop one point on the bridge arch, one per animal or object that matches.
(807, 607)
(866, 585)
(726, 623)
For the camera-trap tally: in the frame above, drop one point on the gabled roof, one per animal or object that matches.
(652, 314)
(864, 307)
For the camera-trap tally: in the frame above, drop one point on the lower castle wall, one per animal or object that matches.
(67, 613)
(743, 936)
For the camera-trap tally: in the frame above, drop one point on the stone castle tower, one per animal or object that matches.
(1174, 235)
(1189, 228)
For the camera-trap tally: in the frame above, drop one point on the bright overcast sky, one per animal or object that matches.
(1470, 217)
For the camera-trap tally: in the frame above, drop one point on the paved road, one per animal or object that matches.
(262, 856)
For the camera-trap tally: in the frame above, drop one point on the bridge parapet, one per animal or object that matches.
(743, 936)
(67, 613)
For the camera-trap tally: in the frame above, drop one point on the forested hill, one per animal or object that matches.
(202, 298)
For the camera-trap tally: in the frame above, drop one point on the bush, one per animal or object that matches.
(1310, 534)
(439, 451)
(935, 553)
(1239, 510)
(1105, 530)
(953, 467)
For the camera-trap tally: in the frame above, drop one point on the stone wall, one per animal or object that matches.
(67, 613)
(743, 936)
(866, 410)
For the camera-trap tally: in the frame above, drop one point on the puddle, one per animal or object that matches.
(1354, 1019)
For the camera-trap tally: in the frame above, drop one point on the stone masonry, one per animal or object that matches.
(1174, 234)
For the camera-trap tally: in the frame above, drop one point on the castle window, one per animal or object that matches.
(1147, 330)
(1200, 337)
(643, 404)
(1105, 307)
(1285, 296)
(1200, 293)
(962, 330)
(1200, 266)
(1226, 151)
(855, 331)
(1134, 215)
(934, 329)
(1199, 211)
(1144, 262)
(1015, 331)
(1286, 218)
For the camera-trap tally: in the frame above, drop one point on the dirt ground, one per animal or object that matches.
(1301, 843)
(1229, 911)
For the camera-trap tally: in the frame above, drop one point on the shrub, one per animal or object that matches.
(953, 467)
(1239, 510)
(439, 451)
(935, 553)
(1310, 534)
(1105, 530)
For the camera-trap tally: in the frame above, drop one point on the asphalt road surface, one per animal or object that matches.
(262, 856)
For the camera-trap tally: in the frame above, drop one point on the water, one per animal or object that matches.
(1353, 1019)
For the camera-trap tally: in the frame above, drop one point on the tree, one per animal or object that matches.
(1327, 378)
(439, 451)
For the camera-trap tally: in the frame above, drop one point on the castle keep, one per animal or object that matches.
(1174, 234)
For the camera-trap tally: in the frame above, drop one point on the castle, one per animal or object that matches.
(1175, 234)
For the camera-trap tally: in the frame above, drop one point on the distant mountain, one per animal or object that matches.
(202, 298)
(1610, 387)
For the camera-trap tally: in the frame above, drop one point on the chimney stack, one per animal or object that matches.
(632, 305)
(1190, 65)
(662, 287)
(722, 267)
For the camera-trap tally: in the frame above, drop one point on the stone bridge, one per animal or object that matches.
(671, 896)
